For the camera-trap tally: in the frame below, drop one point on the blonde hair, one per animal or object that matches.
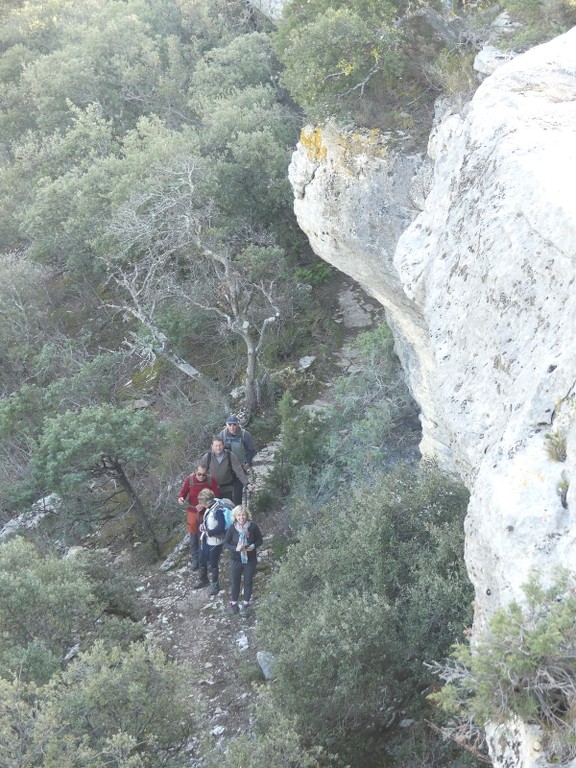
(237, 510)
(205, 495)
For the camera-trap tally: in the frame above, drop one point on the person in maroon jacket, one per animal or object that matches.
(193, 484)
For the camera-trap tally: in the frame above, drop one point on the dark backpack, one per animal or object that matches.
(241, 431)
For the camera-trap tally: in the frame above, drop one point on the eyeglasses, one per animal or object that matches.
(200, 474)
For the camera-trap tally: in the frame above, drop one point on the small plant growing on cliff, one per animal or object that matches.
(453, 72)
(562, 489)
(556, 445)
(524, 665)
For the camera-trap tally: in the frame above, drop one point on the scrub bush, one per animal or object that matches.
(374, 586)
(48, 605)
(524, 665)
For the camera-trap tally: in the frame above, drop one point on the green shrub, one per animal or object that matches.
(263, 502)
(275, 744)
(523, 665)
(374, 585)
(315, 275)
(112, 584)
(377, 63)
(372, 423)
(453, 72)
(330, 59)
(539, 21)
(136, 693)
(45, 603)
(48, 605)
(128, 708)
(301, 437)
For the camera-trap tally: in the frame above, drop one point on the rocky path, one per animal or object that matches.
(220, 649)
(217, 647)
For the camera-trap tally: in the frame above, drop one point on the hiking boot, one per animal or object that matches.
(233, 607)
(244, 608)
(214, 588)
(202, 582)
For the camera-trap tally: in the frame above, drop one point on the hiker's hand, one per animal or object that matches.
(180, 500)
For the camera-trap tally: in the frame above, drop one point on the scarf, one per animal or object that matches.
(243, 540)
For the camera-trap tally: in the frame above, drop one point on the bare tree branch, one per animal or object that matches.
(167, 251)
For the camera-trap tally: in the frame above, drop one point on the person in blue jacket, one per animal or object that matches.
(242, 539)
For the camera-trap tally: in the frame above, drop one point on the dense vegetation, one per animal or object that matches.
(149, 263)
(374, 585)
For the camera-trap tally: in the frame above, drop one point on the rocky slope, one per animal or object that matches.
(471, 250)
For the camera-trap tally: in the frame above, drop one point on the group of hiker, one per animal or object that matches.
(218, 515)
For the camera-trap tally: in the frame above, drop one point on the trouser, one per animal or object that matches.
(194, 542)
(237, 569)
(237, 492)
(209, 560)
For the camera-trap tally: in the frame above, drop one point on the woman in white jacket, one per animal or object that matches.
(212, 531)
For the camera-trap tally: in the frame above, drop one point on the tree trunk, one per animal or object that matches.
(163, 348)
(251, 397)
(145, 523)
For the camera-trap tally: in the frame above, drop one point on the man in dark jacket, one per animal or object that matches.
(193, 484)
(224, 466)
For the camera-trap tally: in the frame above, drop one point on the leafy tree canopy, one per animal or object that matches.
(76, 446)
(332, 53)
(247, 61)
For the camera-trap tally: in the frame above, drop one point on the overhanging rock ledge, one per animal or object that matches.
(472, 251)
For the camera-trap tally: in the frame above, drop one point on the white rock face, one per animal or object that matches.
(491, 263)
(354, 198)
(270, 8)
(480, 289)
(489, 59)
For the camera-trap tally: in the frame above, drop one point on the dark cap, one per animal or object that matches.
(232, 419)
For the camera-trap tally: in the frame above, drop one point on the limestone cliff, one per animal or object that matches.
(270, 8)
(472, 251)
